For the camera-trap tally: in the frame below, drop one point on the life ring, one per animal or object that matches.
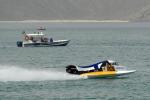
(26, 37)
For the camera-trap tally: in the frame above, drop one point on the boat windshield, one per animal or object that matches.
(113, 62)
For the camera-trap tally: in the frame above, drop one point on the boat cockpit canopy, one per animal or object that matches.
(113, 62)
(98, 66)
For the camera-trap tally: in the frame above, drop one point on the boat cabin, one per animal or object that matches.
(35, 37)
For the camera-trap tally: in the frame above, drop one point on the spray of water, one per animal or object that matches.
(21, 74)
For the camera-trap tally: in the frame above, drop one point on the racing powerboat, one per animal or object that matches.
(106, 68)
(38, 39)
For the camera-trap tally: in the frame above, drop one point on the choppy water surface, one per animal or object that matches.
(39, 73)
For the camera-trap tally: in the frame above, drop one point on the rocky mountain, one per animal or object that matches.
(132, 10)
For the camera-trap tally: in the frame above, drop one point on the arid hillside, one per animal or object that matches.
(17, 10)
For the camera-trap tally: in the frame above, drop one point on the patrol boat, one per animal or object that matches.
(106, 68)
(39, 40)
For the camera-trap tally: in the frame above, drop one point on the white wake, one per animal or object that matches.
(22, 74)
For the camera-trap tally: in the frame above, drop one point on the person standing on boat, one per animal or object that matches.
(51, 40)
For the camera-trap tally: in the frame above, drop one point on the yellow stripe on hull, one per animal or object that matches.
(100, 74)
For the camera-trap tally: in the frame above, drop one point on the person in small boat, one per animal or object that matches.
(42, 40)
(110, 68)
(31, 38)
(51, 40)
(45, 39)
(106, 66)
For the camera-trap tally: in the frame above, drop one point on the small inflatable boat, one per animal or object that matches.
(107, 68)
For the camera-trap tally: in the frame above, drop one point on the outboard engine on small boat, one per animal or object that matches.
(19, 43)
(72, 69)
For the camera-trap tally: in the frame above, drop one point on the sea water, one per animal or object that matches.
(34, 73)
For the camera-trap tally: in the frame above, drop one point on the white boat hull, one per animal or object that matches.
(44, 44)
(125, 72)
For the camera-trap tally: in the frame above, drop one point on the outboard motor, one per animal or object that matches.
(72, 69)
(19, 43)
